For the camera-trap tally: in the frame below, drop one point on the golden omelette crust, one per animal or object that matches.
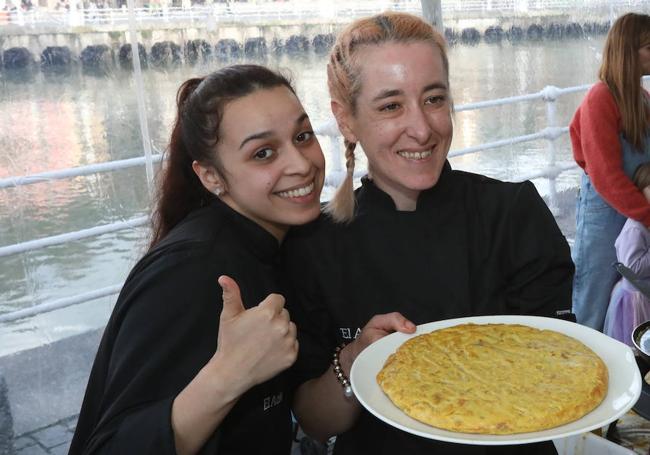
(494, 378)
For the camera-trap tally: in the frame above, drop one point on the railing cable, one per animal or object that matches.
(552, 170)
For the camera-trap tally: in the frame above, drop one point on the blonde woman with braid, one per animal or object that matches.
(609, 135)
(417, 242)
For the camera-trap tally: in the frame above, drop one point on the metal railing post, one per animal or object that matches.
(550, 94)
(139, 93)
(337, 162)
(20, 17)
(336, 156)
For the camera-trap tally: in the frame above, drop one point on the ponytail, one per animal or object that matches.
(180, 190)
(341, 207)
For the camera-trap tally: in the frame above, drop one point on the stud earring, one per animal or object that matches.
(218, 191)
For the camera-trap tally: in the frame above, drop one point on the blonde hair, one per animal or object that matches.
(344, 79)
(642, 176)
(621, 71)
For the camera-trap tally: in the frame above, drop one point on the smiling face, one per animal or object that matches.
(273, 166)
(402, 118)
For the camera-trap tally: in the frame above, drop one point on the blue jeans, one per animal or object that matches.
(598, 225)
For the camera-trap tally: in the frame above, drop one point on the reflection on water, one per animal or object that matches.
(52, 121)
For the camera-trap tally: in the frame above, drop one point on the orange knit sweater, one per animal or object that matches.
(595, 130)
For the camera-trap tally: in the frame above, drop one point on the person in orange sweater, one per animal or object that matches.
(609, 135)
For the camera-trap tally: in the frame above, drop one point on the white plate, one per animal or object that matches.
(624, 382)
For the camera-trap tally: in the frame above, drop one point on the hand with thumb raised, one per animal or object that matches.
(255, 344)
(232, 304)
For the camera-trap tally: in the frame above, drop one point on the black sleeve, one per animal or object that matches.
(308, 312)
(537, 260)
(162, 332)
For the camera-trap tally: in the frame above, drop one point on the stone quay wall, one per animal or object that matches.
(164, 42)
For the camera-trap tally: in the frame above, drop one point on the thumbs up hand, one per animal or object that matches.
(258, 343)
(232, 303)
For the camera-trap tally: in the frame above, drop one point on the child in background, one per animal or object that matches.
(628, 307)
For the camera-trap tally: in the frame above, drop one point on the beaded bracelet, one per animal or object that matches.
(338, 372)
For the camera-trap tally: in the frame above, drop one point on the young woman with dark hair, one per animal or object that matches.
(180, 368)
(609, 136)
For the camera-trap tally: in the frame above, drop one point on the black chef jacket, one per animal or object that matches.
(473, 246)
(163, 330)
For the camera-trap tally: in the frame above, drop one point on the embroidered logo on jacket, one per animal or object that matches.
(271, 401)
(346, 333)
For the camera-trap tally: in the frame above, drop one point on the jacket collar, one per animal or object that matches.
(369, 193)
(254, 237)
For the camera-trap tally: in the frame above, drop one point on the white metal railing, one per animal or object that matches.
(245, 12)
(60, 303)
(219, 12)
(76, 171)
(551, 133)
(37, 244)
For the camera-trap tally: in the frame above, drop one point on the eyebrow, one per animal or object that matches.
(388, 93)
(266, 134)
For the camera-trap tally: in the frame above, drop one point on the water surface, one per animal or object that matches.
(58, 121)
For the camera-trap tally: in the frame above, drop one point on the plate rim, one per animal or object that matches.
(517, 438)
